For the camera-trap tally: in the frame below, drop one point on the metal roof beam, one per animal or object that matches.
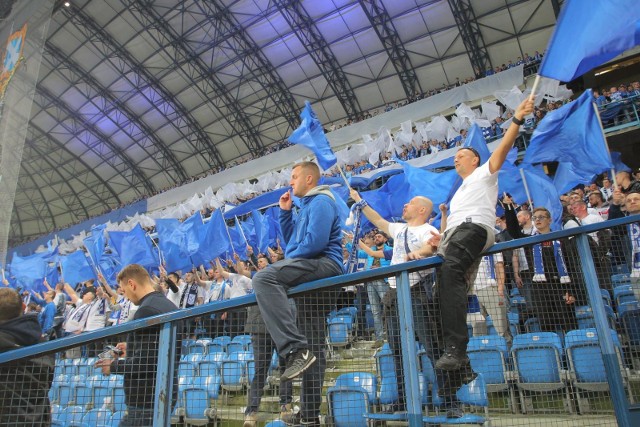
(385, 29)
(318, 48)
(193, 66)
(471, 36)
(161, 98)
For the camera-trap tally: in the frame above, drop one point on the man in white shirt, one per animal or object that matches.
(240, 285)
(469, 231)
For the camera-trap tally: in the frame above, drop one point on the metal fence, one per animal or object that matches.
(560, 350)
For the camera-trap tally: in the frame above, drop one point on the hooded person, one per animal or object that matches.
(24, 383)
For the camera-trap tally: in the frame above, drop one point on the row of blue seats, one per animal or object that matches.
(221, 344)
(75, 416)
(96, 391)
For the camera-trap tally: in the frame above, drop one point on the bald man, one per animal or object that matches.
(410, 243)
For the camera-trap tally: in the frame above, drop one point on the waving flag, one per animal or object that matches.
(571, 134)
(311, 135)
(544, 195)
(214, 240)
(76, 268)
(31, 270)
(261, 227)
(95, 244)
(568, 176)
(171, 243)
(134, 247)
(581, 43)
(476, 141)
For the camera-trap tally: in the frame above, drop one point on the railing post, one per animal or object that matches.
(409, 354)
(164, 375)
(609, 356)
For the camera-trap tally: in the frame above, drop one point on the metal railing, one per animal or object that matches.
(626, 413)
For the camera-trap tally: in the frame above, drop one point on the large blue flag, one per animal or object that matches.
(134, 247)
(341, 195)
(275, 232)
(214, 240)
(311, 135)
(438, 187)
(618, 164)
(476, 141)
(568, 176)
(110, 265)
(95, 244)
(571, 134)
(192, 228)
(249, 229)
(389, 199)
(588, 34)
(261, 227)
(238, 242)
(544, 195)
(76, 268)
(171, 242)
(31, 270)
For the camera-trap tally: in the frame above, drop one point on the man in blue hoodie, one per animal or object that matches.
(313, 251)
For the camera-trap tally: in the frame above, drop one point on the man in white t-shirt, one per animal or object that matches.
(410, 243)
(240, 285)
(469, 231)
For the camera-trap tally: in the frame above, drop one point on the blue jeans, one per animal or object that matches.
(376, 291)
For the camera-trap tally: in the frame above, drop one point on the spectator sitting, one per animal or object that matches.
(24, 383)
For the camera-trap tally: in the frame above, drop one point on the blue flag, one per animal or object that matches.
(618, 164)
(214, 240)
(110, 266)
(510, 181)
(134, 247)
(438, 187)
(238, 242)
(76, 268)
(568, 176)
(31, 270)
(95, 244)
(171, 242)
(275, 232)
(249, 230)
(261, 227)
(544, 195)
(311, 135)
(581, 41)
(341, 195)
(571, 134)
(389, 199)
(476, 141)
(192, 229)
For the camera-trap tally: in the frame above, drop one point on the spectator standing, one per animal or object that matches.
(139, 361)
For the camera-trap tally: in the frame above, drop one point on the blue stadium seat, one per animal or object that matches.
(474, 394)
(586, 366)
(489, 357)
(71, 415)
(537, 359)
(69, 367)
(197, 410)
(221, 341)
(102, 394)
(585, 318)
(350, 398)
(119, 403)
(97, 417)
(606, 297)
(532, 325)
(234, 371)
(623, 293)
(630, 320)
(206, 368)
(620, 279)
(385, 366)
(276, 423)
(234, 347)
(339, 334)
(627, 306)
(116, 417)
(197, 347)
(215, 357)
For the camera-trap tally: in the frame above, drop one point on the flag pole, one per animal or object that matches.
(229, 236)
(158, 247)
(606, 144)
(241, 230)
(526, 188)
(344, 177)
(536, 83)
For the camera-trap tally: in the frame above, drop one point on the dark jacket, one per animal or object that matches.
(24, 383)
(140, 365)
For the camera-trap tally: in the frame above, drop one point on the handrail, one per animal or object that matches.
(247, 300)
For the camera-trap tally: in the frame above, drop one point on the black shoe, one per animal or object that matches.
(455, 412)
(452, 360)
(297, 362)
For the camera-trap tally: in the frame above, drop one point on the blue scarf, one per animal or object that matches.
(220, 295)
(492, 268)
(634, 235)
(352, 262)
(539, 275)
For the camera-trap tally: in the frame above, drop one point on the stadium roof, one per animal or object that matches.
(136, 96)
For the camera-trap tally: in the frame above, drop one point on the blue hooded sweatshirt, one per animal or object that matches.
(316, 230)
